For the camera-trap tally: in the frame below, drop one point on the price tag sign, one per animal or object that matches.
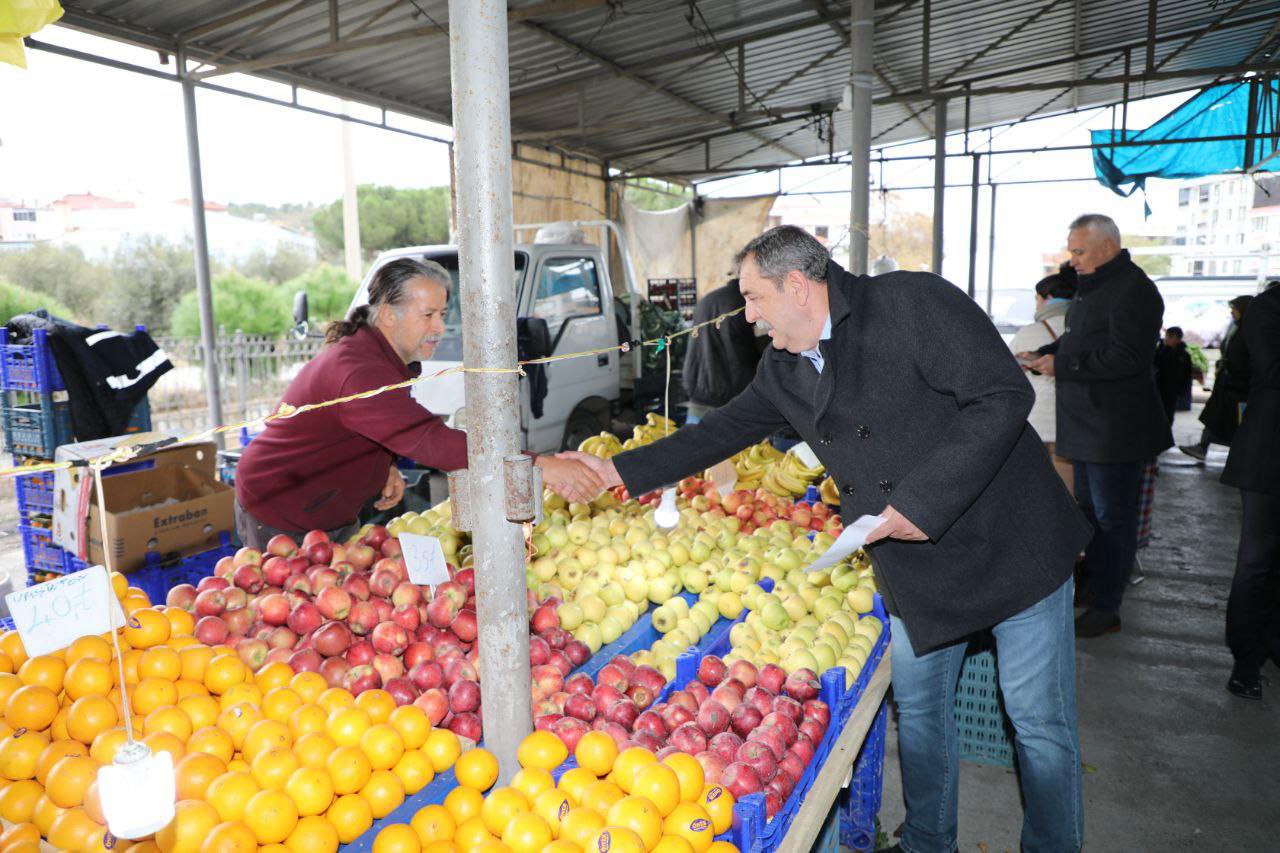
(424, 559)
(51, 615)
(723, 476)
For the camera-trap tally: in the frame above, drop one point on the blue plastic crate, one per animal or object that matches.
(858, 816)
(35, 427)
(29, 367)
(140, 420)
(157, 578)
(985, 733)
(6, 623)
(39, 551)
(35, 494)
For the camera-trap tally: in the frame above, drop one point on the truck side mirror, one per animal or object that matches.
(533, 338)
(300, 309)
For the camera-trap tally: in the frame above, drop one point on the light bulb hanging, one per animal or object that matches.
(666, 515)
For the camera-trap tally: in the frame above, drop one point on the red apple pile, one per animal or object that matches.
(757, 509)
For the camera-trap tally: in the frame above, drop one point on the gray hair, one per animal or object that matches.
(1100, 224)
(388, 288)
(780, 250)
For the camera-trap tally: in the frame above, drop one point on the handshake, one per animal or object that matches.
(577, 476)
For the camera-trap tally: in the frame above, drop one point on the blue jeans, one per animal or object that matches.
(1035, 651)
(1108, 494)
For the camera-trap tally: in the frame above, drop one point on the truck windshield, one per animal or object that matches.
(450, 347)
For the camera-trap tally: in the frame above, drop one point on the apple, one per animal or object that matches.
(363, 617)
(318, 552)
(183, 595)
(212, 582)
(614, 676)
(465, 626)
(712, 718)
(211, 630)
(741, 779)
(792, 767)
(790, 707)
(646, 740)
(305, 660)
(402, 690)
(580, 706)
(727, 696)
(651, 721)
(772, 678)
(725, 745)
(781, 723)
(744, 718)
(282, 545)
(712, 768)
(248, 557)
(579, 683)
(745, 672)
(464, 696)
(253, 652)
(388, 666)
(570, 730)
(239, 621)
(623, 712)
(305, 618)
(802, 685)
(699, 692)
(361, 556)
(210, 602)
(356, 586)
(434, 703)
(813, 729)
(688, 738)
(577, 652)
(545, 617)
(676, 715)
(640, 694)
(803, 749)
(546, 679)
(273, 609)
(275, 571)
(334, 670)
(281, 637)
(818, 710)
(466, 725)
(389, 638)
(248, 576)
(539, 651)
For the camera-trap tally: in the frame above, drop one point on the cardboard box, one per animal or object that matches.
(168, 503)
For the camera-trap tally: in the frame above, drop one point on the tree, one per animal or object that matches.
(250, 305)
(15, 299)
(63, 274)
(329, 292)
(650, 194)
(389, 218)
(149, 277)
(1152, 265)
(907, 237)
(286, 262)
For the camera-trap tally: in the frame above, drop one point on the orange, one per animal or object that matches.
(245, 692)
(195, 659)
(160, 662)
(308, 685)
(45, 813)
(32, 706)
(689, 772)
(271, 815)
(8, 683)
(130, 659)
(273, 767)
(346, 725)
(433, 823)
(691, 822)
(187, 687)
(450, 847)
(230, 837)
(181, 623)
(397, 838)
(306, 719)
(596, 751)
(214, 741)
(552, 805)
(264, 735)
(526, 833)
(71, 830)
(384, 792)
(500, 806)
(478, 768)
(382, 743)
(313, 749)
(717, 802)
(53, 753)
(58, 728)
(672, 844)
(151, 693)
(463, 804)
(223, 672)
(414, 770)
(532, 781)
(69, 778)
(443, 748)
(104, 746)
(378, 704)
(335, 697)
(601, 795)
(659, 785)
(628, 763)
(165, 742)
(639, 815)
(19, 753)
(20, 837)
(471, 834)
(313, 834)
(45, 670)
(89, 646)
(195, 772)
(616, 839)
(273, 675)
(237, 720)
(722, 847)
(279, 703)
(18, 800)
(349, 768)
(6, 663)
(88, 677)
(11, 645)
(230, 792)
(351, 816)
(119, 584)
(202, 710)
(192, 822)
(542, 749)
(412, 723)
(311, 789)
(89, 716)
(146, 628)
(575, 782)
(168, 718)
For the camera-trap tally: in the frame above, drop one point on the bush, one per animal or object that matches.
(15, 300)
(61, 273)
(250, 305)
(149, 278)
(329, 292)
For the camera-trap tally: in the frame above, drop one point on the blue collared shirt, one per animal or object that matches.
(815, 355)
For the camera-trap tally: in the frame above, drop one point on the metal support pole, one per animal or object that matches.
(861, 79)
(973, 227)
(350, 208)
(200, 248)
(991, 249)
(939, 178)
(482, 156)
(693, 240)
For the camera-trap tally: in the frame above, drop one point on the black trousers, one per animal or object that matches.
(256, 534)
(1253, 608)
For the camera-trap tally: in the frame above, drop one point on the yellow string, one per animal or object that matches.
(285, 410)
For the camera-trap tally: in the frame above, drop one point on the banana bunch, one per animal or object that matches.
(604, 445)
(753, 462)
(830, 494)
(655, 426)
(789, 477)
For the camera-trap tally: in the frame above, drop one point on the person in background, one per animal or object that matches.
(1053, 297)
(1253, 466)
(721, 360)
(1110, 420)
(1173, 369)
(1221, 413)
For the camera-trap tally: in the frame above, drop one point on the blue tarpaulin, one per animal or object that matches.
(1230, 109)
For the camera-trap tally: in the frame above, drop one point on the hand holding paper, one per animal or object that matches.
(853, 538)
(895, 526)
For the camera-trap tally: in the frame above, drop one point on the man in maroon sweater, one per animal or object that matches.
(316, 470)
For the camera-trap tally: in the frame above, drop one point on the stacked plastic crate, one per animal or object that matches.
(37, 419)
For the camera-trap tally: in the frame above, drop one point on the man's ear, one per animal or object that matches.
(799, 286)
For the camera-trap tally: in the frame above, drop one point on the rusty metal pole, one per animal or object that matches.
(482, 178)
(861, 79)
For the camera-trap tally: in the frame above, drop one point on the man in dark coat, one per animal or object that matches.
(722, 359)
(908, 395)
(1173, 370)
(1253, 608)
(1110, 418)
(1221, 412)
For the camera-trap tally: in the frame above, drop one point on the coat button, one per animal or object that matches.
(886, 486)
(826, 439)
(848, 490)
(864, 431)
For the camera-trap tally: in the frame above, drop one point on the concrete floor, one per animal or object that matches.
(1177, 762)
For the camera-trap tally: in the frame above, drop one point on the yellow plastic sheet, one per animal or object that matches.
(19, 19)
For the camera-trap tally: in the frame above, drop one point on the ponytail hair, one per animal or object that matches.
(389, 287)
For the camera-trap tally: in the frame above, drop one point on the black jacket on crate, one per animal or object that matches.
(1108, 407)
(1231, 384)
(107, 373)
(721, 360)
(1254, 462)
(920, 405)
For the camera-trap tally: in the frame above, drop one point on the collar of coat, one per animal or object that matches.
(841, 293)
(1111, 268)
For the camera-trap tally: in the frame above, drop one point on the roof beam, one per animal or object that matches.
(640, 80)
(549, 8)
(624, 124)
(229, 19)
(1217, 23)
(329, 49)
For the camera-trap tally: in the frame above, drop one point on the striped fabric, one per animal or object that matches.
(1146, 501)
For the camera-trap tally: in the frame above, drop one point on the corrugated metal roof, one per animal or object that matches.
(652, 86)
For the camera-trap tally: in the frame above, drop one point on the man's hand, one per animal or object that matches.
(392, 492)
(896, 526)
(1042, 364)
(570, 478)
(604, 468)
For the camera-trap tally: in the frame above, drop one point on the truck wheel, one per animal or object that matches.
(582, 425)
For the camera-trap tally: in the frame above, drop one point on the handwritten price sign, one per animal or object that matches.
(423, 559)
(51, 615)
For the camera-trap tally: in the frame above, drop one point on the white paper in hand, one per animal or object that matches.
(51, 615)
(853, 538)
(806, 455)
(423, 559)
(724, 476)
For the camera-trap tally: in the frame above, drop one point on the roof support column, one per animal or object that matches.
(200, 248)
(973, 227)
(861, 77)
(482, 175)
(939, 178)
